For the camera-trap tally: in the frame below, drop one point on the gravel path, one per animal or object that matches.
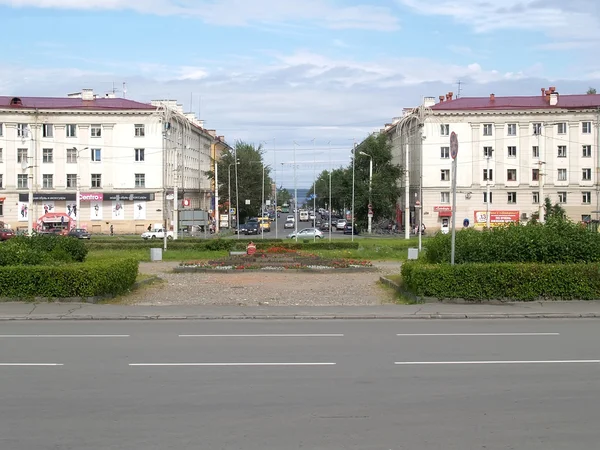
(260, 288)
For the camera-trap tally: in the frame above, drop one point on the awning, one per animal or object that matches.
(445, 214)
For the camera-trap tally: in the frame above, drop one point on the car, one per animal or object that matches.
(241, 229)
(79, 233)
(324, 226)
(348, 228)
(291, 217)
(340, 224)
(6, 234)
(289, 224)
(252, 228)
(157, 233)
(307, 233)
(445, 228)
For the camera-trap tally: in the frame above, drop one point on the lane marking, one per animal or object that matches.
(477, 334)
(30, 364)
(434, 363)
(232, 364)
(259, 335)
(64, 335)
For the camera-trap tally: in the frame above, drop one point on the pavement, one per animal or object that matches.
(286, 385)
(86, 311)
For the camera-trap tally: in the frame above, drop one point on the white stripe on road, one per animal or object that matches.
(232, 364)
(259, 335)
(64, 335)
(29, 364)
(476, 334)
(441, 363)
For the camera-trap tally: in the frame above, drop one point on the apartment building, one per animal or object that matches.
(122, 157)
(513, 152)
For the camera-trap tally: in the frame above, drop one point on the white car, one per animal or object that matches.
(307, 233)
(341, 223)
(291, 218)
(157, 233)
(288, 224)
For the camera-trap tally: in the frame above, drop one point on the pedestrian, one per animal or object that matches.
(150, 227)
(111, 230)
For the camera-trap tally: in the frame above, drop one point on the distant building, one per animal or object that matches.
(124, 156)
(521, 149)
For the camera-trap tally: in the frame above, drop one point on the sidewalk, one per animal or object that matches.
(85, 311)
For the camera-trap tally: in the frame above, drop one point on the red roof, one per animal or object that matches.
(533, 102)
(103, 103)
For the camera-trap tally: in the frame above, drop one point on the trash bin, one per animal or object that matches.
(156, 254)
(413, 253)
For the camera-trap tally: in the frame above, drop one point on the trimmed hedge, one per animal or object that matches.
(221, 244)
(41, 249)
(503, 281)
(555, 242)
(89, 279)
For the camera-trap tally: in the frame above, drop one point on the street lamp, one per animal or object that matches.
(353, 159)
(77, 185)
(229, 189)
(262, 205)
(370, 212)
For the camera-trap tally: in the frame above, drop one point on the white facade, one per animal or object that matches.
(113, 149)
(523, 154)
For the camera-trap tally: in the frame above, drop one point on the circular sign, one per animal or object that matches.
(453, 145)
(417, 203)
(370, 206)
(466, 223)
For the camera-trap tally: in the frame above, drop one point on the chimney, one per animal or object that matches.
(552, 89)
(87, 94)
(492, 97)
(450, 95)
(543, 92)
(547, 96)
(428, 102)
(553, 98)
(441, 98)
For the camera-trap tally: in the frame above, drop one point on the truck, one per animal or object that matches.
(157, 232)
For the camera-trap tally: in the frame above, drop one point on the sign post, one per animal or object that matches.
(453, 154)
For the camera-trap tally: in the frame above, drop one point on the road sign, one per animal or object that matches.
(417, 203)
(231, 210)
(453, 145)
(466, 223)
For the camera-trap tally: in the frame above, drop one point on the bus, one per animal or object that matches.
(285, 208)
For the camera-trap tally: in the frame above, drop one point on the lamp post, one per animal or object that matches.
(353, 159)
(78, 187)
(330, 172)
(370, 212)
(237, 196)
(229, 190)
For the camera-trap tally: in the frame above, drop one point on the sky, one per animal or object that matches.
(304, 78)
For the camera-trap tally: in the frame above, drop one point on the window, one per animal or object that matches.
(512, 197)
(445, 175)
(71, 130)
(96, 154)
(1, 183)
(96, 131)
(140, 180)
(535, 174)
(47, 155)
(444, 129)
(537, 129)
(140, 154)
(562, 151)
(96, 180)
(512, 151)
(444, 197)
(586, 174)
(1, 129)
(511, 175)
(586, 127)
(488, 174)
(47, 181)
(562, 174)
(586, 218)
(562, 197)
(586, 151)
(22, 130)
(21, 155)
(47, 130)
(1, 208)
(140, 131)
(485, 197)
(444, 153)
(71, 156)
(511, 129)
(1, 155)
(487, 129)
(535, 151)
(487, 152)
(586, 197)
(562, 128)
(535, 197)
(22, 181)
(71, 180)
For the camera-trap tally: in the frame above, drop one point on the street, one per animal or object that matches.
(312, 384)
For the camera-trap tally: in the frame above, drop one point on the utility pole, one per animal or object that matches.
(454, 155)
(217, 215)
(295, 198)
(262, 204)
(330, 170)
(487, 195)
(406, 195)
(541, 212)
(237, 196)
(597, 163)
(275, 181)
(353, 160)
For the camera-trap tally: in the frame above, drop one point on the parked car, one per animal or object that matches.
(6, 234)
(79, 233)
(157, 233)
(288, 224)
(348, 228)
(307, 233)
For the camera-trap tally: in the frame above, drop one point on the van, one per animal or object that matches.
(303, 216)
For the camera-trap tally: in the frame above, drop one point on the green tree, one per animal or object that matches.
(552, 213)
(283, 196)
(591, 91)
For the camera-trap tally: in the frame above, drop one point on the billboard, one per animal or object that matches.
(497, 218)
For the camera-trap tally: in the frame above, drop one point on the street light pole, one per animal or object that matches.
(330, 170)
(353, 159)
(295, 198)
(78, 188)
(229, 191)
(262, 205)
(237, 196)
(369, 212)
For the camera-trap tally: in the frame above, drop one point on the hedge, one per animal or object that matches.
(503, 281)
(89, 279)
(557, 242)
(42, 250)
(222, 244)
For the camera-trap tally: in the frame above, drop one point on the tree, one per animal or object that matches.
(283, 196)
(249, 179)
(591, 91)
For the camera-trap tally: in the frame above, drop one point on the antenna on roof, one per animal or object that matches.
(460, 84)
(124, 89)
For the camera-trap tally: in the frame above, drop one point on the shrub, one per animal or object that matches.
(222, 244)
(555, 242)
(512, 281)
(88, 279)
(41, 249)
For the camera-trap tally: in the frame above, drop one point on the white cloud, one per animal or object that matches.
(327, 13)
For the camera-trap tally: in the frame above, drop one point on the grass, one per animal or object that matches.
(143, 255)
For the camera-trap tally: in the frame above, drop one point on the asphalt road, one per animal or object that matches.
(277, 385)
(283, 232)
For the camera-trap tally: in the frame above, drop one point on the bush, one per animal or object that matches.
(88, 279)
(41, 249)
(222, 244)
(504, 281)
(555, 242)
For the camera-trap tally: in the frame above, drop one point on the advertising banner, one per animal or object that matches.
(497, 218)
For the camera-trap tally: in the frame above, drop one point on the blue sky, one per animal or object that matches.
(317, 72)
